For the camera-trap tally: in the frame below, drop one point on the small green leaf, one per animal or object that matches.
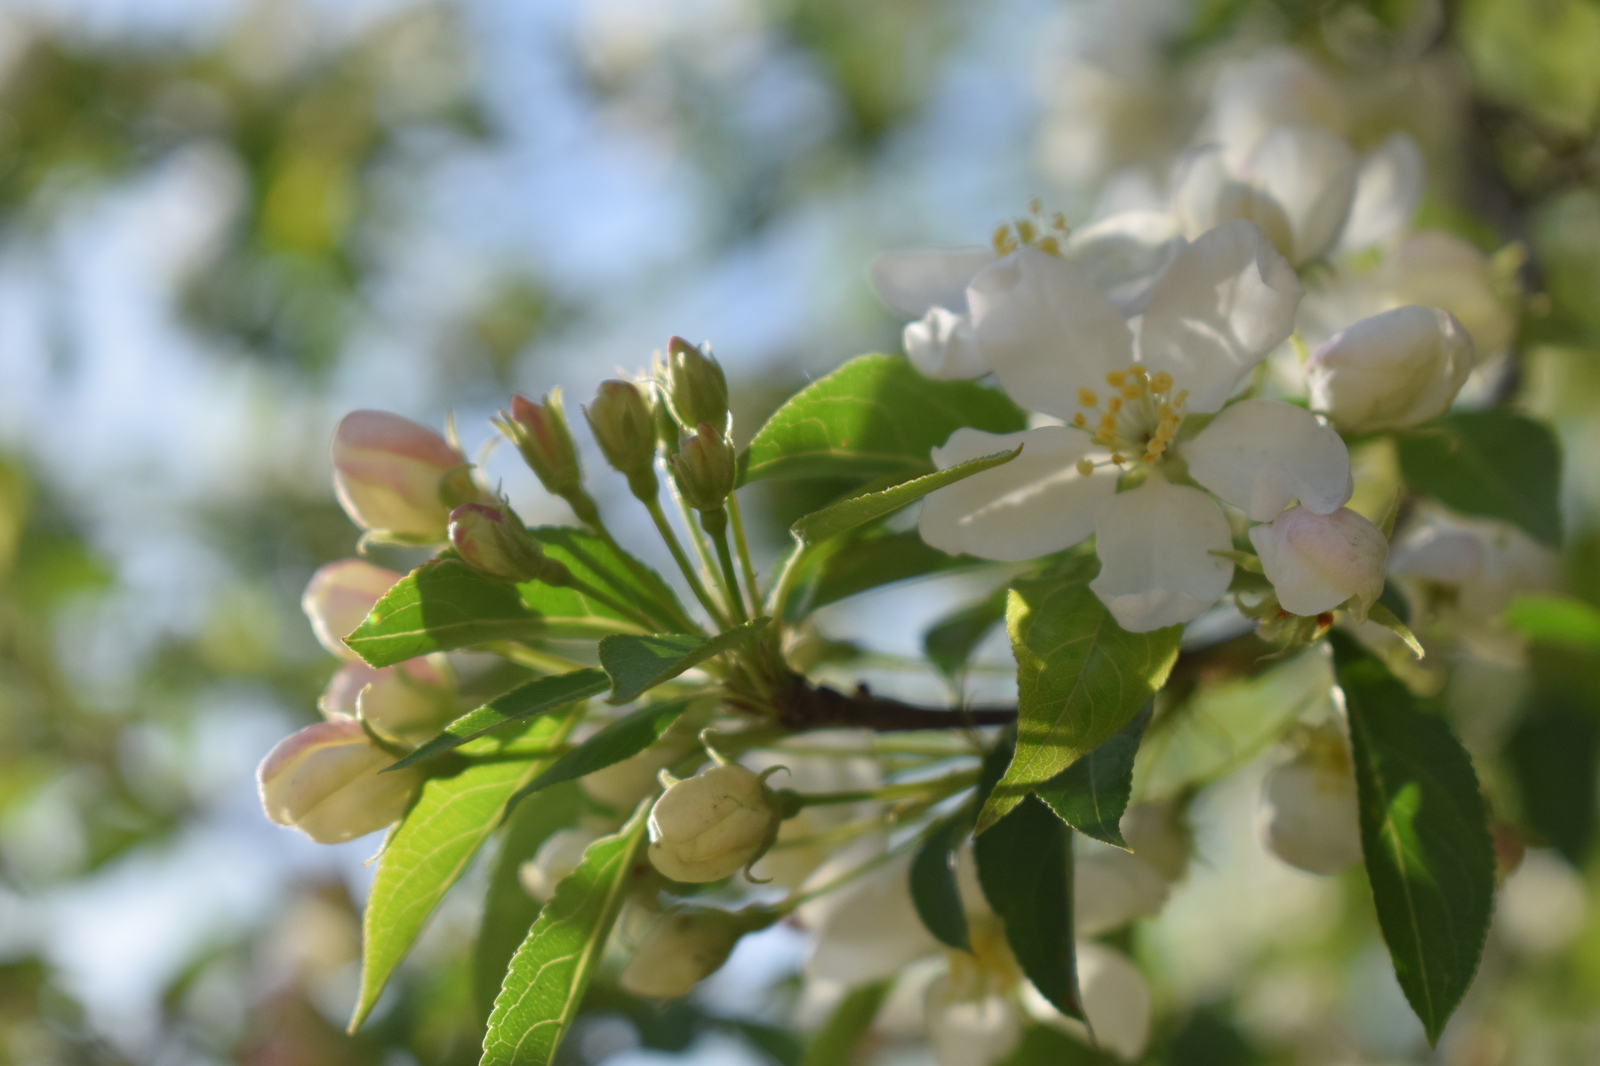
(848, 566)
(609, 569)
(835, 1042)
(428, 851)
(625, 737)
(875, 416)
(551, 969)
(1559, 620)
(1025, 869)
(639, 664)
(950, 642)
(538, 696)
(1091, 794)
(440, 605)
(846, 515)
(1080, 677)
(1554, 756)
(1383, 616)
(508, 910)
(1495, 463)
(1424, 833)
(933, 882)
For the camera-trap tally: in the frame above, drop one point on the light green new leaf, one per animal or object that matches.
(1494, 463)
(1424, 833)
(610, 570)
(639, 664)
(873, 417)
(551, 970)
(1091, 794)
(835, 1041)
(852, 565)
(440, 605)
(1559, 620)
(430, 848)
(846, 515)
(1080, 677)
(536, 697)
(619, 740)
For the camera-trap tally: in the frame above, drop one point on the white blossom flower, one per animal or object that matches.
(556, 858)
(1115, 999)
(1317, 562)
(1055, 341)
(1308, 815)
(1270, 88)
(1393, 370)
(339, 597)
(406, 703)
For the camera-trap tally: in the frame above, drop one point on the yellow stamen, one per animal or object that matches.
(1025, 231)
(1160, 381)
(1087, 398)
(1079, 421)
(1137, 371)
(1114, 404)
(1035, 205)
(1049, 245)
(1059, 221)
(1165, 411)
(1116, 379)
(1131, 391)
(1116, 457)
(1085, 467)
(1180, 399)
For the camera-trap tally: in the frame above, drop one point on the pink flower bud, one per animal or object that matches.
(540, 432)
(395, 476)
(705, 469)
(496, 543)
(406, 703)
(695, 385)
(1395, 369)
(339, 597)
(1317, 562)
(624, 426)
(326, 782)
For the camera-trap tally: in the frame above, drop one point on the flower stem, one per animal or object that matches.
(663, 527)
(743, 548)
(717, 528)
(905, 790)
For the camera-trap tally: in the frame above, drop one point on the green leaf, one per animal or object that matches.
(1080, 677)
(551, 969)
(1496, 463)
(440, 605)
(1554, 756)
(508, 910)
(875, 416)
(950, 642)
(849, 566)
(428, 851)
(1091, 794)
(1382, 615)
(538, 696)
(611, 570)
(933, 882)
(639, 664)
(846, 515)
(1424, 833)
(1025, 869)
(625, 737)
(835, 1042)
(1559, 620)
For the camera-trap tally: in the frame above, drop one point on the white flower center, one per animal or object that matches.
(1035, 231)
(1140, 417)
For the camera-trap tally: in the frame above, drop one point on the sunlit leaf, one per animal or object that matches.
(619, 740)
(538, 696)
(592, 560)
(856, 511)
(1496, 464)
(639, 664)
(1561, 620)
(875, 416)
(551, 969)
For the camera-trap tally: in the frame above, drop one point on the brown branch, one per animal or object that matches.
(812, 707)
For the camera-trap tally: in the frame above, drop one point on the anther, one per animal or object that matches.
(1116, 379)
(1049, 245)
(1116, 457)
(1087, 398)
(1114, 404)
(1035, 205)
(1138, 371)
(1180, 399)
(1079, 421)
(1059, 221)
(1085, 467)
(1160, 381)
(1025, 231)
(1131, 391)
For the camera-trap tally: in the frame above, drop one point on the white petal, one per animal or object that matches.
(913, 281)
(1262, 455)
(1116, 1000)
(1036, 504)
(1438, 269)
(1316, 562)
(873, 930)
(1312, 175)
(1392, 370)
(970, 1032)
(1272, 87)
(1225, 302)
(1308, 817)
(1046, 331)
(1154, 544)
(1111, 888)
(942, 345)
(1198, 178)
(1125, 254)
(1387, 192)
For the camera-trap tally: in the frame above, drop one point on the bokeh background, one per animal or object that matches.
(223, 223)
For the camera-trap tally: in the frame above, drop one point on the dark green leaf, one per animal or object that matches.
(508, 910)
(639, 664)
(1025, 869)
(538, 696)
(933, 882)
(846, 515)
(1496, 463)
(1091, 794)
(950, 642)
(1080, 677)
(851, 566)
(1424, 833)
(608, 568)
(1559, 620)
(428, 851)
(875, 416)
(1555, 758)
(625, 737)
(1043, 1045)
(835, 1042)
(551, 969)
(440, 605)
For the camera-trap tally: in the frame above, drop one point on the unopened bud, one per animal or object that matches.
(1317, 562)
(1308, 815)
(704, 469)
(669, 435)
(540, 432)
(706, 827)
(1395, 369)
(495, 543)
(396, 477)
(683, 946)
(625, 429)
(695, 385)
(557, 857)
(326, 781)
(339, 597)
(406, 703)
